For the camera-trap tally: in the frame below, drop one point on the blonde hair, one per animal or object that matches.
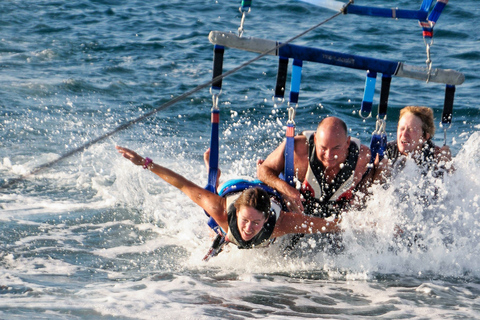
(426, 116)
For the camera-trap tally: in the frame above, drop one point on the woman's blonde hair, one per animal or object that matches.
(426, 116)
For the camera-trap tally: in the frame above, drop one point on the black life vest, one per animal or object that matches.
(262, 239)
(322, 198)
(425, 160)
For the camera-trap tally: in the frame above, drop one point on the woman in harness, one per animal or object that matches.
(249, 220)
(415, 131)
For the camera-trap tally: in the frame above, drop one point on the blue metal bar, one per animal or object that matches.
(387, 13)
(396, 68)
(338, 59)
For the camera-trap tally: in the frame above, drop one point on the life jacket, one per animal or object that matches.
(323, 198)
(426, 159)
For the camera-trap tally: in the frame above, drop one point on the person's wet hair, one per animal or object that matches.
(426, 116)
(256, 198)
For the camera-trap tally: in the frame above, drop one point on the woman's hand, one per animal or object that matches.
(131, 155)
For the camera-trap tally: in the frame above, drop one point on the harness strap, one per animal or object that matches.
(437, 11)
(216, 89)
(367, 102)
(384, 93)
(296, 79)
(290, 134)
(428, 23)
(218, 52)
(281, 79)
(378, 144)
(447, 110)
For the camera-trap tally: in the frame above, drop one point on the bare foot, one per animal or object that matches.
(206, 158)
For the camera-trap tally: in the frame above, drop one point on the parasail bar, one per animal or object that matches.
(399, 69)
(394, 13)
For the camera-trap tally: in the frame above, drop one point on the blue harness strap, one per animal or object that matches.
(429, 22)
(216, 89)
(367, 101)
(289, 169)
(378, 144)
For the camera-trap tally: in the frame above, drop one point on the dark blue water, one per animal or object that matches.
(92, 237)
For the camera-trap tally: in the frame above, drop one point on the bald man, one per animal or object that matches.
(329, 164)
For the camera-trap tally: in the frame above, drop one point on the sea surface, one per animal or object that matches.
(94, 237)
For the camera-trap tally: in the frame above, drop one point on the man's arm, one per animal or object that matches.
(364, 156)
(274, 164)
(291, 222)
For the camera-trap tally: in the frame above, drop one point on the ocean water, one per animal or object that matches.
(93, 237)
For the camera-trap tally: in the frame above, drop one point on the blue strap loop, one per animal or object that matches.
(296, 79)
(289, 169)
(213, 164)
(378, 144)
(367, 102)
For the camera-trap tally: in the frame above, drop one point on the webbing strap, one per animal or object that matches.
(448, 104)
(215, 90)
(447, 110)
(426, 4)
(366, 108)
(289, 149)
(213, 164)
(384, 93)
(289, 169)
(281, 78)
(437, 11)
(296, 79)
(428, 24)
(218, 51)
(378, 144)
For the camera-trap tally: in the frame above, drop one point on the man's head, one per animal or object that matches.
(331, 142)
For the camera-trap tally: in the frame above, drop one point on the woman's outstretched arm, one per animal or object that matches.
(212, 203)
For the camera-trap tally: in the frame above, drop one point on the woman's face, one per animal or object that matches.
(410, 134)
(250, 221)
